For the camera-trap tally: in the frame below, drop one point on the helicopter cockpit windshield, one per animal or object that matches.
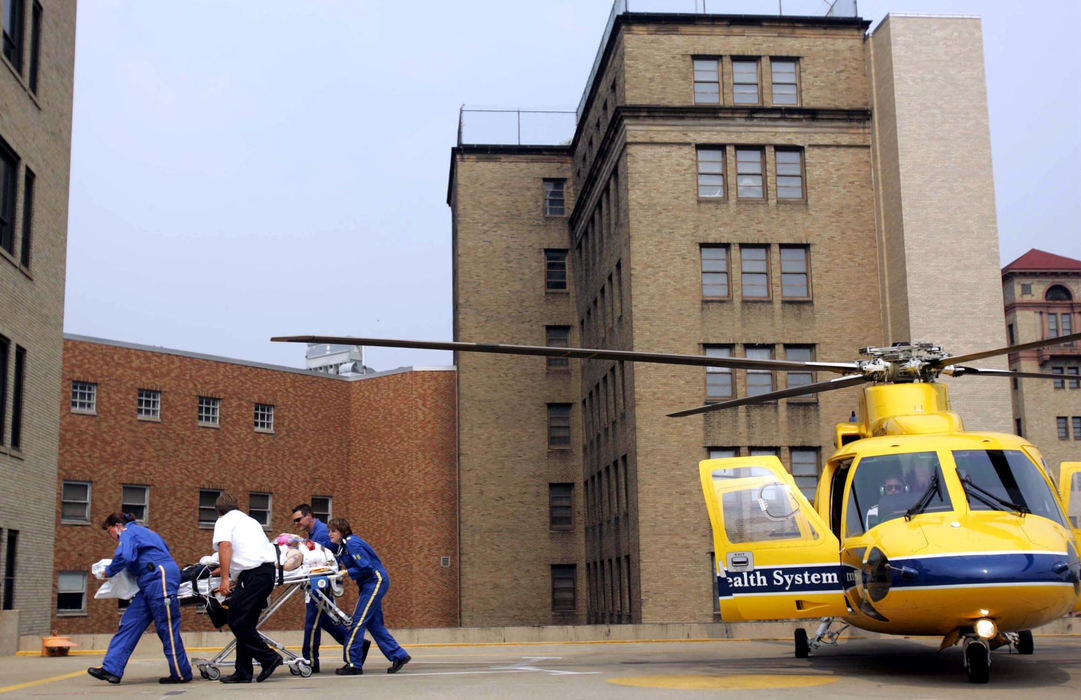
(885, 487)
(1006, 480)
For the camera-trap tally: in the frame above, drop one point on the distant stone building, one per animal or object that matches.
(1042, 292)
(36, 77)
(760, 186)
(160, 433)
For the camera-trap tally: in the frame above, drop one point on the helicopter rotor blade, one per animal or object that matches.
(817, 388)
(961, 359)
(580, 353)
(960, 371)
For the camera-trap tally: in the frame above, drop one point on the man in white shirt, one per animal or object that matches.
(247, 556)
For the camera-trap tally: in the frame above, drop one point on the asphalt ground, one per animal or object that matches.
(878, 668)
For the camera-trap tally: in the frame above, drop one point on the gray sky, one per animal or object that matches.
(241, 170)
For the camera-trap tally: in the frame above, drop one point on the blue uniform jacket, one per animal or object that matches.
(359, 559)
(141, 551)
(320, 534)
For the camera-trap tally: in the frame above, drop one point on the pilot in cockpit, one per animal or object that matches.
(891, 498)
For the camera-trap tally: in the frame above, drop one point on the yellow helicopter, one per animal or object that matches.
(919, 527)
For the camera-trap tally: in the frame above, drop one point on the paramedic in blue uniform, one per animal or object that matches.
(245, 554)
(315, 620)
(144, 554)
(364, 567)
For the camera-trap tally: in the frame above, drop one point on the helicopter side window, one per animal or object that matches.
(763, 514)
(1006, 480)
(886, 487)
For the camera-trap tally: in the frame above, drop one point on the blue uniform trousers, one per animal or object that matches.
(369, 615)
(150, 605)
(315, 620)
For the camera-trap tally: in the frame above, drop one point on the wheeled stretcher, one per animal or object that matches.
(319, 578)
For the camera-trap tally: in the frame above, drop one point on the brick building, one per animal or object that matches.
(1042, 292)
(762, 186)
(159, 433)
(36, 76)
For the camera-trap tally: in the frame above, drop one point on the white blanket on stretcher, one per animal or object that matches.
(317, 561)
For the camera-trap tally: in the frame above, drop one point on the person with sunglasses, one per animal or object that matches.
(315, 620)
(891, 498)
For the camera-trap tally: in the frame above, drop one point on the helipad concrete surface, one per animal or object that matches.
(877, 668)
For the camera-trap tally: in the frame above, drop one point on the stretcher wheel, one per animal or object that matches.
(213, 673)
(203, 673)
(294, 670)
(303, 669)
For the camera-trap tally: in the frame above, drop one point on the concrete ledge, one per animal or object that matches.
(203, 644)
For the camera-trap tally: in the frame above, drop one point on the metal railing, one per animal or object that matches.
(522, 127)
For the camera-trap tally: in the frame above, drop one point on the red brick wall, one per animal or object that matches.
(382, 447)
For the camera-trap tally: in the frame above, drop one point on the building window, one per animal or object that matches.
(1052, 326)
(559, 425)
(1010, 335)
(561, 506)
(1063, 428)
(148, 406)
(13, 33)
(763, 451)
(10, 553)
(1073, 383)
(711, 172)
(84, 397)
(17, 398)
(1017, 427)
(749, 173)
(707, 81)
(553, 197)
(209, 410)
(715, 271)
(1058, 383)
(805, 470)
(789, 173)
(1057, 292)
(563, 585)
(28, 217)
(264, 418)
(1059, 325)
(754, 269)
(785, 85)
(556, 337)
(795, 273)
(35, 45)
(9, 165)
(71, 593)
(5, 347)
(259, 508)
(207, 513)
(135, 499)
(799, 353)
(75, 502)
(1077, 427)
(1026, 289)
(555, 269)
(718, 379)
(745, 82)
(322, 507)
(759, 381)
(723, 452)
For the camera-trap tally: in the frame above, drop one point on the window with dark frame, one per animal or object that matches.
(785, 81)
(555, 269)
(564, 599)
(799, 353)
(1063, 427)
(749, 175)
(75, 502)
(35, 45)
(1077, 427)
(148, 404)
(1026, 289)
(759, 381)
(561, 506)
(84, 397)
(259, 507)
(1058, 383)
(5, 347)
(135, 499)
(11, 551)
(71, 593)
(711, 173)
(789, 173)
(28, 217)
(208, 411)
(745, 82)
(17, 398)
(554, 203)
(795, 272)
(264, 418)
(1073, 372)
(718, 379)
(707, 81)
(754, 271)
(208, 514)
(559, 425)
(805, 469)
(557, 337)
(9, 167)
(322, 507)
(13, 33)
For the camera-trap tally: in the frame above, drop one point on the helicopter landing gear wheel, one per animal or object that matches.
(1025, 645)
(803, 648)
(977, 658)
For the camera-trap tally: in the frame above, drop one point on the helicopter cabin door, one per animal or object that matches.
(776, 557)
(1069, 484)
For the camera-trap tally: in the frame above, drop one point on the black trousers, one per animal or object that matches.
(248, 600)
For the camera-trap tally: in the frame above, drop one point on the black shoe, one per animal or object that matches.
(235, 678)
(349, 671)
(170, 680)
(364, 651)
(397, 665)
(103, 675)
(315, 667)
(268, 669)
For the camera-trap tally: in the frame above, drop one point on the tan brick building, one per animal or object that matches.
(159, 433)
(36, 75)
(1043, 300)
(774, 187)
